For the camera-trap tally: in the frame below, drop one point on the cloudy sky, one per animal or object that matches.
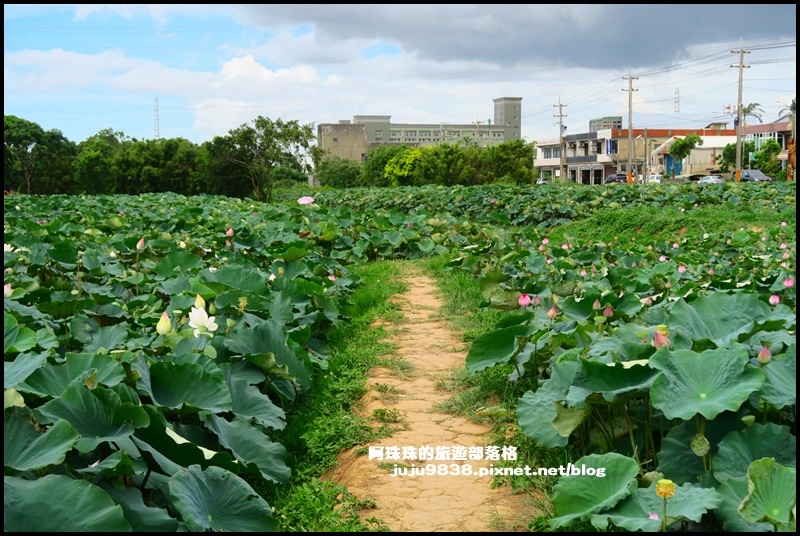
(82, 68)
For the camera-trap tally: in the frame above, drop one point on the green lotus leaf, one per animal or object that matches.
(689, 502)
(12, 398)
(26, 447)
(175, 384)
(772, 495)
(98, 414)
(51, 380)
(17, 371)
(239, 277)
(733, 491)
(15, 338)
(162, 446)
(269, 337)
(142, 518)
(613, 381)
(108, 338)
(116, 465)
(248, 402)
(580, 309)
(707, 383)
(218, 500)
(738, 449)
(178, 262)
(537, 411)
(676, 459)
(578, 497)
(58, 503)
(250, 445)
(780, 383)
(629, 514)
(719, 317)
(494, 347)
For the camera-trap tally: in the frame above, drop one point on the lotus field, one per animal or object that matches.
(155, 345)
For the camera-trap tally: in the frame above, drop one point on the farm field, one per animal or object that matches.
(202, 363)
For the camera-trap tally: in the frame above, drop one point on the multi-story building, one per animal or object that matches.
(589, 157)
(352, 140)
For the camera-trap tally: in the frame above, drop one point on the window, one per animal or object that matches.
(394, 133)
(379, 133)
(547, 153)
(425, 133)
(411, 134)
(335, 140)
(557, 152)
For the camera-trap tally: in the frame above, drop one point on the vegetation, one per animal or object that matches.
(189, 362)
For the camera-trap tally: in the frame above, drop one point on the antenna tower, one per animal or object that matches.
(677, 100)
(155, 118)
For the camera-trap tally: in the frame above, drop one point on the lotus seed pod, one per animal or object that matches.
(700, 445)
(665, 488)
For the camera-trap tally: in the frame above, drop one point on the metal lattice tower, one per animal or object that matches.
(677, 100)
(155, 118)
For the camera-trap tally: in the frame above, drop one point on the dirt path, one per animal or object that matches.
(435, 503)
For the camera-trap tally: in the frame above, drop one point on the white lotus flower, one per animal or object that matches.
(201, 322)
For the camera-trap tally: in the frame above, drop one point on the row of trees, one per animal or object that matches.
(245, 162)
(447, 164)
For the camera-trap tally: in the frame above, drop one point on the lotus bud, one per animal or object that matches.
(524, 300)
(7, 292)
(199, 302)
(212, 309)
(164, 325)
(552, 313)
(660, 338)
(597, 305)
(536, 300)
(764, 356)
(608, 312)
(665, 488)
(140, 244)
(229, 232)
(749, 420)
(774, 299)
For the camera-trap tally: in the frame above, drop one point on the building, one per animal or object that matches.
(591, 156)
(352, 140)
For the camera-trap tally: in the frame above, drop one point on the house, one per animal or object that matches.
(589, 157)
(352, 140)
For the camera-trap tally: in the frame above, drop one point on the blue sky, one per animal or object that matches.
(82, 68)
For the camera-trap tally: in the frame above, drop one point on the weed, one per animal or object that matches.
(387, 415)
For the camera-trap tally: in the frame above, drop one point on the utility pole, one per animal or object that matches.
(646, 171)
(561, 142)
(630, 91)
(741, 67)
(478, 135)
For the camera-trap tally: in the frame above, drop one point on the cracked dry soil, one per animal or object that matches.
(436, 503)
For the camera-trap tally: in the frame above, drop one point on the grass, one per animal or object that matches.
(321, 424)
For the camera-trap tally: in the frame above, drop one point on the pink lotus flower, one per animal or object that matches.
(608, 312)
(648, 301)
(786, 255)
(549, 261)
(783, 246)
(651, 515)
(788, 282)
(662, 258)
(552, 313)
(536, 300)
(564, 246)
(7, 292)
(229, 232)
(774, 299)
(409, 224)
(660, 337)
(764, 356)
(305, 200)
(583, 272)
(682, 269)
(524, 300)
(545, 241)
(783, 224)
(140, 244)
(494, 201)
(332, 277)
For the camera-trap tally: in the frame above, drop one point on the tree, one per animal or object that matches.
(373, 172)
(727, 161)
(767, 158)
(92, 169)
(338, 172)
(683, 147)
(35, 158)
(265, 145)
(790, 112)
(753, 110)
